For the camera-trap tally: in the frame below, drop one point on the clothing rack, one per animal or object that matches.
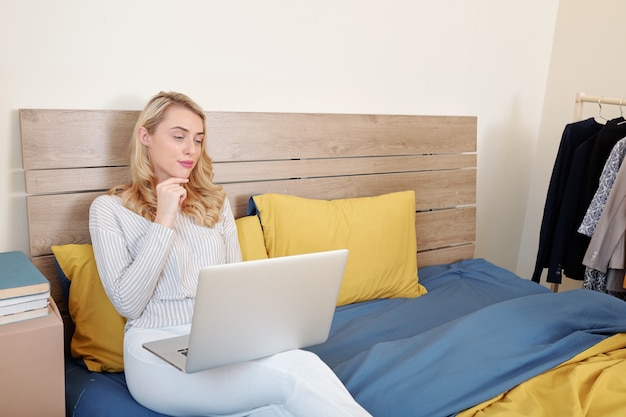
(581, 99)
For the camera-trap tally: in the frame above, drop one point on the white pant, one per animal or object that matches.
(296, 383)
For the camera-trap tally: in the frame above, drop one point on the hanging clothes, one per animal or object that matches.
(584, 149)
(573, 135)
(576, 243)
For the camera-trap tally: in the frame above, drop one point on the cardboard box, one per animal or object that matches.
(32, 370)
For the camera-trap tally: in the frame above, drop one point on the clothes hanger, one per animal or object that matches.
(600, 110)
(621, 111)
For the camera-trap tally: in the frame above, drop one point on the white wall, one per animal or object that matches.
(588, 56)
(488, 58)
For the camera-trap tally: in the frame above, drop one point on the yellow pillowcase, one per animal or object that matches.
(251, 238)
(379, 233)
(99, 335)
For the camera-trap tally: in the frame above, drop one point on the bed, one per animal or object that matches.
(463, 337)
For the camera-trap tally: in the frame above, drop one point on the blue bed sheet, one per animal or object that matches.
(96, 394)
(479, 331)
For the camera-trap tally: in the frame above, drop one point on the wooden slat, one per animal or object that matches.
(226, 172)
(446, 255)
(72, 180)
(434, 189)
(437, 229)
(268, 136)
(58, 220)
(90, 179)
(54, 139)
(75, 138)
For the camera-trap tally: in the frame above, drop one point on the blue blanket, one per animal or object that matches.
(415, 358)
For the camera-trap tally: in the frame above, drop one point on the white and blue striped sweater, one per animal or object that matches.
(150, 271)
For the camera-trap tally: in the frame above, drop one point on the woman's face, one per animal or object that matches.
(176, 144)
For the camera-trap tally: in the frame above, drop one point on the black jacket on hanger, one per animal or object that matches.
(567, 221)
(573, 135)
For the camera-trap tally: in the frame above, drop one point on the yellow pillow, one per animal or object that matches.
(379, 233)
(99, 335)
(251, 238)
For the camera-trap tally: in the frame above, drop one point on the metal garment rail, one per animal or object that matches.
(582, 98)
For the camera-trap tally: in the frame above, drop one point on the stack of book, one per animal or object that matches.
(24, 291)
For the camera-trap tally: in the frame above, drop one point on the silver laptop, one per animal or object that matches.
(249, 310)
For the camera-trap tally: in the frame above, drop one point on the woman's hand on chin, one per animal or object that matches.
(170, 195)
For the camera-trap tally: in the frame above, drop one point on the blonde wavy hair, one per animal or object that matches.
(204, 199)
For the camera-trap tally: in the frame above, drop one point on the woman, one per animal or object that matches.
(151, 237)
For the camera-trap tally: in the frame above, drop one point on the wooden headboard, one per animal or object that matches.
(71, 156)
